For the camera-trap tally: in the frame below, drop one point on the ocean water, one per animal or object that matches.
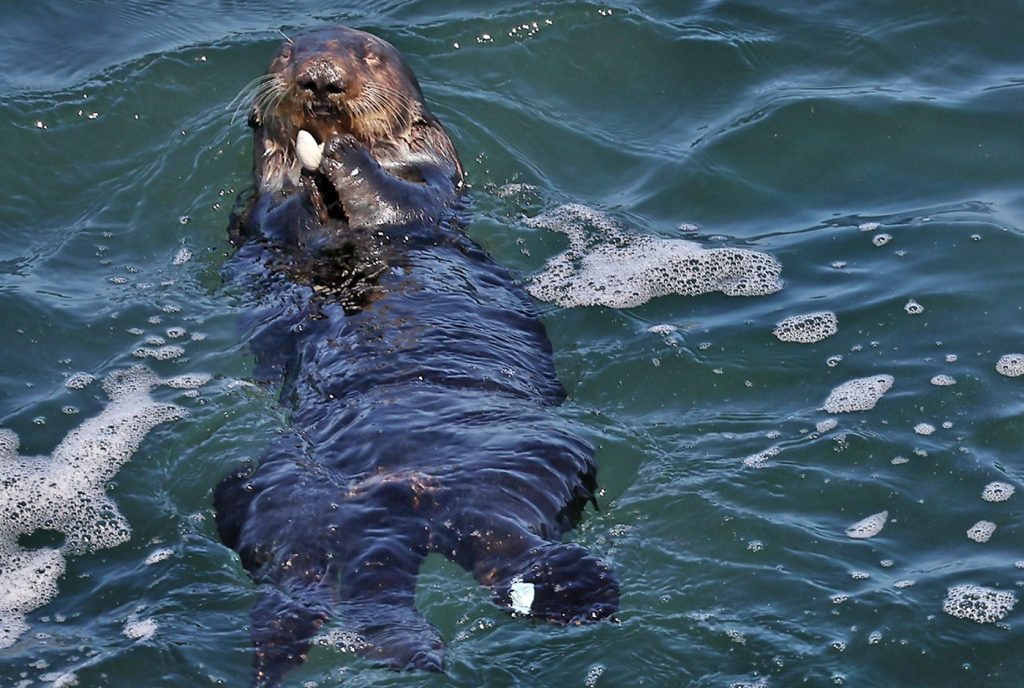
(874, 150)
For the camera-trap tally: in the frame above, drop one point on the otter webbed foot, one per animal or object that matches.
(282, 632)
(563, 583)
(395, 635)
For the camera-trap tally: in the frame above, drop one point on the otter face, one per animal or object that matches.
(333, 82)
(337, 81)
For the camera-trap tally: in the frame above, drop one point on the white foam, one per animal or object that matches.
(163, 353)
(868, 226)
(65, 492)
(913, 307)
(79, 381)
(1011, 365)
(997, 492)
(943, 380)
(881, 239)
(824, 426)
(924, 428)
(183, 256)
(868, 527)
(140, 629)
(981, 531)
(760, 459)
(860, 394)
(808, 328)
(606, 266)
(158, 555)
(981, 605)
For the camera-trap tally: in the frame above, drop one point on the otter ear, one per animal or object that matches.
(255, 121)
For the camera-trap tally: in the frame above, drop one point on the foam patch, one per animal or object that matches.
(981, 605)
(1011, 365)
(607, 266)
(65, 492)
(997, 492)
(860, 394)
(808, 328)
(868, 527)
(981, 531)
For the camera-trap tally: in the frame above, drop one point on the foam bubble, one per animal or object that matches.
(943, 380)
(997, 492)
(760, 459)
(606, 266)
(868, 226)
(343, 640)
(163, 353)
(158, 555)
(868, 527)
(881, 239)
(913, 307)
(188, 380)
(65, 492)
(824, 426)
(140, 629)
(1011, 365)
(860, 394)
(808, 328)
(79, 381)
(924, 428)
(981, 605)
(183, 256)
(981, 531)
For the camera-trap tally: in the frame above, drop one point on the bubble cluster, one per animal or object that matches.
(760, 459)
(943, 380)
(79, 381)
(981, 531)
(163, 353)
(860, 394)
(140, 629)
(606, 266)
(1011, 365)
(868, 527)
(924, 428)
(158, 555)
(913, 307)
(981, 605)
(997, 492)
(881, 239)
(65, 492)
(808, 328)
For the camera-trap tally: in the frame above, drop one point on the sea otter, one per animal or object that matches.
(419, 382)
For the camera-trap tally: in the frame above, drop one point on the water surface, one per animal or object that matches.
(791, 129)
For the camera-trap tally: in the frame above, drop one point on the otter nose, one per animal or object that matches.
(321, 78)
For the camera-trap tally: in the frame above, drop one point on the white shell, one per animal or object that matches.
(521, 594)
(307, 150)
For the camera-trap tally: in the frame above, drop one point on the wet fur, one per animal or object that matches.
(419, 381)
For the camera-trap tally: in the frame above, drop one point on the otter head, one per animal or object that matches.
(332, 82)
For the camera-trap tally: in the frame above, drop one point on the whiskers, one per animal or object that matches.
(265, 92)
(380, 110)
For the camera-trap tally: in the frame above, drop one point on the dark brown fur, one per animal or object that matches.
(420, 384)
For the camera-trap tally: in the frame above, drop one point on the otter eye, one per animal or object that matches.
(286, 52)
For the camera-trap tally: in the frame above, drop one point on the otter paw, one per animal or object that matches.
(346, 150)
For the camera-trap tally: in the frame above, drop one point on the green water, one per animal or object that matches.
(778, 127)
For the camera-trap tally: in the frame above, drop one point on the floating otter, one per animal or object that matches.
(419, 380)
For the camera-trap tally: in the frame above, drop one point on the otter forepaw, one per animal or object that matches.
(347, 152)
